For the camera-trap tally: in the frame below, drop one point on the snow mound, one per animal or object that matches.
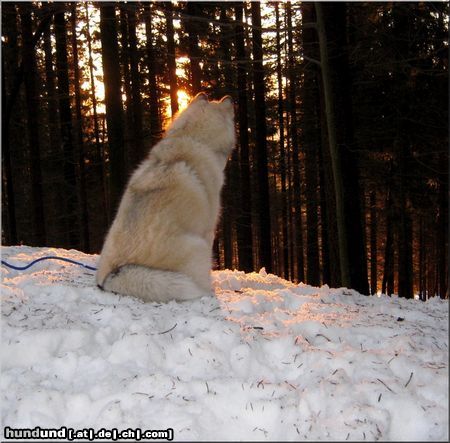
(262, 360)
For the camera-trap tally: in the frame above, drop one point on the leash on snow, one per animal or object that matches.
(50, 257)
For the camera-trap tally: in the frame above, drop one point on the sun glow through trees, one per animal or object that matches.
(183, 99)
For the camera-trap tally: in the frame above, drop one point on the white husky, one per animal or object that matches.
(160, 243)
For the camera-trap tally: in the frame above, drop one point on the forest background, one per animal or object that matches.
(340, 174)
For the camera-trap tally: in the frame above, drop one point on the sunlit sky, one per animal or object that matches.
(94, 24)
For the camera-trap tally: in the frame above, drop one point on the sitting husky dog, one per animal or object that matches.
(160, 244)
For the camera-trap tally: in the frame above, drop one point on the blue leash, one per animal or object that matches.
(50, 257)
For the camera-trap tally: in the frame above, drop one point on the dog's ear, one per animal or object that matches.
(227, 99)
(188, 114)
(199, 97)
(227, 103)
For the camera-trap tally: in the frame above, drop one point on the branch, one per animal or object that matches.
(311, 60)
(52, 9)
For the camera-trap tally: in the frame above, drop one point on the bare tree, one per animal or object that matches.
(244, 222)
(264, 225)
(113, 101)
(171, 57)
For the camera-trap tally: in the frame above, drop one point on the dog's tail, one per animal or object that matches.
(151, 284)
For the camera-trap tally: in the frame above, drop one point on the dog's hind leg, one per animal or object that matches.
(151, 284)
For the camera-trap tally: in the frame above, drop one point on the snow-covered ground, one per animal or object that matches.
(262, 360)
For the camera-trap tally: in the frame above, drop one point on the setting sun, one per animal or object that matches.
(183, 99)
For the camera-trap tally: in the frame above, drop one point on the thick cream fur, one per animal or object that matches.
(159, 245)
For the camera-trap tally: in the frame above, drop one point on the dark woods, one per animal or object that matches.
(340, 172)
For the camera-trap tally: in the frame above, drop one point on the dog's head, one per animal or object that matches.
(209, 122)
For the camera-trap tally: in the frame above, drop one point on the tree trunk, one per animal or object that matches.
(373, 243)
(171, 58)
(99, 159)
(312, 219)
(136, 107)
(85, 241)
(265, 243)
(194, 11)
(155, 122)
(7, 177)
(332, 28)
(230, 199)
(244, 222)
(282, 162)
(290, 199)
(311, 140)
(402, 153)
(131, 156)
(353, 187)
(388, 276)
(8, 10)
(54, 165)
(443, 231)
(325, 223)
(113, 101)
(70, 173)
(33, 105)
(404, 242)
(298, 224)
(335, 158)
(422, 261)
(15, 87)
